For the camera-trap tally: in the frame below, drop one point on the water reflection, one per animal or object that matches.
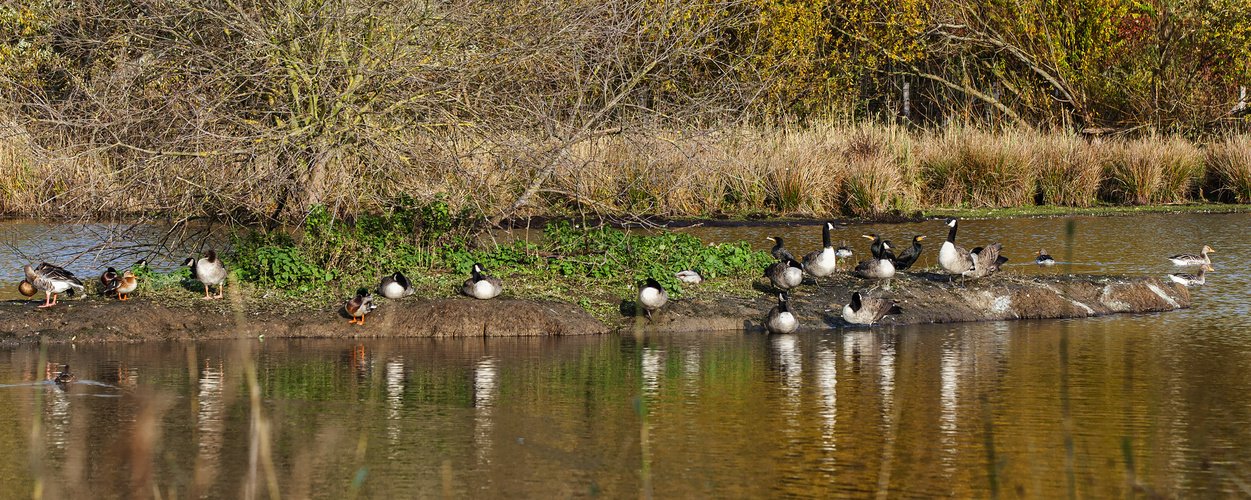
(210, 423)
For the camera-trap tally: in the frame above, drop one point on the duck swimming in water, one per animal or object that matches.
(1044, 259)
(1187, 279)
(1189, 259)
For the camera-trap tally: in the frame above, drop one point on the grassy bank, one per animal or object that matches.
(819, 170)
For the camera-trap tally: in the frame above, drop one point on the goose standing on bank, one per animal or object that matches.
(209, 271)
(481, 285)
(781, 318)
(910, 255)
(878, 268)
(1189, 259)
(1043, 258)
(821, 263)
(52, 280)
(395, 286)
(986, 261)
(868, 310)
(785, 275)
(779, 253)
(652, 296)
(951, 258)
(360, 305)
(1187, 279)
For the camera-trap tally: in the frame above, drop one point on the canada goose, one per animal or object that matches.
(951, 258)
(122, 285)
(106, 278)
(821, 263)
(785, 275)
(910, 255)
(1043, 258)
(52, 280)
(481, 285)
(877, 268)
(779, 253)
(986, 261)
(26, 289)
(65, 377)
(1189, 259)
(395, 286)
(868, 310)
(689, 276)
(781, 318)
(1187, 279)
(652, 296)
(209, 271)
(360, 305)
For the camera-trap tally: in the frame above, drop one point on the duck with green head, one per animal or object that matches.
(360, 305)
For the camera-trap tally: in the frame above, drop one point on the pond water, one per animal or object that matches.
(1153, 404)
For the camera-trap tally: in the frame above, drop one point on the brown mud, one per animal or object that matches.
(924, 297)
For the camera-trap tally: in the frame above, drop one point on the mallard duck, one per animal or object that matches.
(910, 255)
(879, 268)
(1189, 259)
(481, 285)
(785, 275)
(65, 377)
(689, 276)
(1044, 259)
(360, 305)
(779, 253)
(951, 258)
(395, 286)
(52, 280)
(781, 318)
(1187, 279)
(122, 286)
(868, 310)
(106, 278)
(652, 296)
(821, 263)
(26, 289)
(209, 271)
(986, 261)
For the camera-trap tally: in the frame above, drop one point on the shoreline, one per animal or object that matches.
(925, 297)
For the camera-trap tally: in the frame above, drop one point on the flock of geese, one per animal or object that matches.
(788, 273)
(785, 274)
(209, 270)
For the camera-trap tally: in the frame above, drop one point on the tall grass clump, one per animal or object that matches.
(1070, 170)
(875, 180)
(801, 176)
(969, 167)
(1153, 169)
(1229, 161)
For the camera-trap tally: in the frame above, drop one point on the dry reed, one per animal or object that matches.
(1229, 161)
(1070, 170)
(815, 170)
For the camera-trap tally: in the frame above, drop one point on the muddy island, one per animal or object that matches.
(924, 298)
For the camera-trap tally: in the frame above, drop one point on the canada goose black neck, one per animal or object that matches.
(855, 301)
(951, 233)
(402, 280)
(652, 283)
(825, 235)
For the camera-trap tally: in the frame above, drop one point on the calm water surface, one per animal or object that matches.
(1103, 407)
